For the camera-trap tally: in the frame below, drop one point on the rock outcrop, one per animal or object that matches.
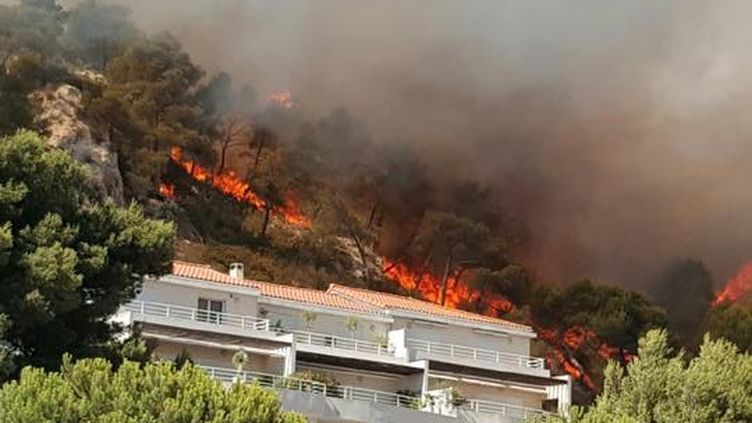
(57, 113)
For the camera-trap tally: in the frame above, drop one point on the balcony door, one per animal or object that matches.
(210, 310)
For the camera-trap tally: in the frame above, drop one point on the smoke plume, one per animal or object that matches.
(617, 131)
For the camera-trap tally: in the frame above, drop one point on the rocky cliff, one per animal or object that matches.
(57, 111)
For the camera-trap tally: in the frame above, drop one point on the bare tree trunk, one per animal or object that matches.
(258, 157)
(362, 253)
(445, 279)
(265, 225)
(371, 217)
(223, 152)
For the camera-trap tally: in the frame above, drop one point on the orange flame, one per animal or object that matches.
(229, 184)
(281, 99)
(167, 190)
(429, 287)
(738, 287)
(563, 344)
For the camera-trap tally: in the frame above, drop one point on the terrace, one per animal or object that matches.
(481, 411)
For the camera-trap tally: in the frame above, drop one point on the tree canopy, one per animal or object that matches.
(731, 322)
(662, 387)
(685, 291)
(91, 391)
(618, 316)
(67, 259)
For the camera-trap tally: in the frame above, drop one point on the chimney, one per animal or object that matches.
(236, 271)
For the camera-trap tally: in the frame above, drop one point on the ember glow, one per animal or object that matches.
(429, 288)
(230, 184)
(738, 287)
(281, 99)
(167, 190)
(561, 355)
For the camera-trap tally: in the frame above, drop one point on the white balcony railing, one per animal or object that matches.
(476, 354)
(515, 412)
(341, 343)
(296, 384)
(175, 312)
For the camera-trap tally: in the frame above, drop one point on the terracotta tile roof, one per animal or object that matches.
(315, 297)
(204, 272)
(391, 301)
(340, 297)
(285, 292)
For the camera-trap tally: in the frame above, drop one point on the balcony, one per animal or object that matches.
(505, 411)
(183, 314)
(323, 343)
(426, 409)
(304, 385)
(461, 354)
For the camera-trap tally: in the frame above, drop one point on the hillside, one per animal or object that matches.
(299, 199)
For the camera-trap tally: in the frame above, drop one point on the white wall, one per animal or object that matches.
(187, 296)
(218, 357)
(368, 380)
(463, 335)
(491, 393)
(326, 323)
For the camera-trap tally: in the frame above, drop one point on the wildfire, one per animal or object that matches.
(167, 190)
(231, 185)
(738, 287)
(561, 357)
(564, 343)
(281, 99)
(429, 287)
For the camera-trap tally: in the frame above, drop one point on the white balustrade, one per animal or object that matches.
(476, 354)
(341, 343)
(175, 312)
(510, 411)
(514, 412)
(304, 385)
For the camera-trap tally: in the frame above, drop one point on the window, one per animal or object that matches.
(210, 310)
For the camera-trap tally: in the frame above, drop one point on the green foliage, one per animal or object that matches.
(512, 282)
(240, 360)
(98, 32)
(14, 108)
(152, 84)
(308, 318)
(351, 323)
(660, 387)
(293, 382)
(657, 387)
(31, 26)
(685, 291)
(733, 323)
(91, 391)
(67, 261)
(182, 359)
(618, 316)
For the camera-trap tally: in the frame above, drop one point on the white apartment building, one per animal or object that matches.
(348, 354)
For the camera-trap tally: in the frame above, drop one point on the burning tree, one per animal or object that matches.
(456, 245)
(738, 288)
(588, 324)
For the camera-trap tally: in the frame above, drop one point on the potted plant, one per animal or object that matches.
(240, 361)
(351, 323)
(308, 318)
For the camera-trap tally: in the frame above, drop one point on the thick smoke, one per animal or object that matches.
(617, 130)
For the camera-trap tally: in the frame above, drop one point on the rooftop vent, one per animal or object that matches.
(236, 271)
